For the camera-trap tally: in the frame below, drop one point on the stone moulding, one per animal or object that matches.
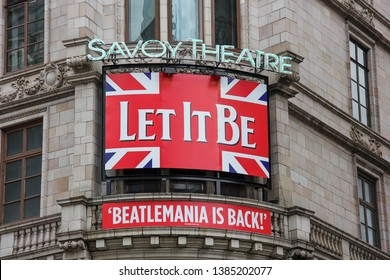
(363, 13)
(52, 77)
(372, 144)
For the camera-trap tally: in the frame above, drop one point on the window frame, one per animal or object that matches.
(358, 45)
(127, 20)
(23, 156)
(200, 21)
(26, 45)
(373, 206)
(213, 25)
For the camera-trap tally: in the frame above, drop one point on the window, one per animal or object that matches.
(184, 19)
(143, 20)
(226, 17)
(21, 164)
(359, 83)
(367, 211)
(24, 34)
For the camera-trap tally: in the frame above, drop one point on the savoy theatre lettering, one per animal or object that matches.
(157, 120)
(186, 213)
(219, 53)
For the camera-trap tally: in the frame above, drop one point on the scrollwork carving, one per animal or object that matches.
(363, 13)
(52, 77)
(73, 245)
(300, 254)
(371, 144)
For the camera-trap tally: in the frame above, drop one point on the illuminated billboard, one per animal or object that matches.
(186, 121)
(186, 214)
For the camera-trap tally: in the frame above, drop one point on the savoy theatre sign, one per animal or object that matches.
(221, 53)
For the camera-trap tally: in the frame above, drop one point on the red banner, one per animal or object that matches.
(156, 120)
(186, 214)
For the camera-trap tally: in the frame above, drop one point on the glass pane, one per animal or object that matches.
(31, 207)
(11, 212)
(354, 90)
(363, 232)
(15, 60)
(35, 32)
(364, 117)
(352, 51)
(33, 186)
(35, 54)
(184, 19)
(226, 22)
(15, 38)
(362, 94)
(355, 110)
(360, 188)
(362, 77)
(353, 71)
(12, 191)
(370, 218)
(14, 142)
(34, 137)
(142, 20)
(13, 170)
(361, 213)
(369, 192)
(15, 15)
(33, 165)
(371, 237)
(360, 57)
(35, 10)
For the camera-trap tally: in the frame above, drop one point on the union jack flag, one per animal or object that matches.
(149, 92)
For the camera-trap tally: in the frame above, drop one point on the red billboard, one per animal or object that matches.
(186, 214)
(158, 120)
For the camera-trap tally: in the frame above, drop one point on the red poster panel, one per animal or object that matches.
(186, 214)
(156, 120)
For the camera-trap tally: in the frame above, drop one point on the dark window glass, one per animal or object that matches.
(31, 207)
(25, 33)
(33, 186)
(226, 29)
(367, 211)
(11, 212)
(14, 142)
(12, 191)
(34, 137)
(359, 83)
(13, 170)
(33, 165)
(142, 20)
(186, 187)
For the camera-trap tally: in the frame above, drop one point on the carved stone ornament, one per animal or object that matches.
(79, 63)
(74, 245)
(52, 77)
(363, 13)
(300, 254)
(371, 143)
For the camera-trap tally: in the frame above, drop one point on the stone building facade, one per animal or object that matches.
(329, 187)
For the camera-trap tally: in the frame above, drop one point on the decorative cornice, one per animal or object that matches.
(73, 245)
(340, 113)
(22, 115)
(371, 143)
(363, 13)
(300, 254)
(52, 77)
(339, 137)
(188, 70)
